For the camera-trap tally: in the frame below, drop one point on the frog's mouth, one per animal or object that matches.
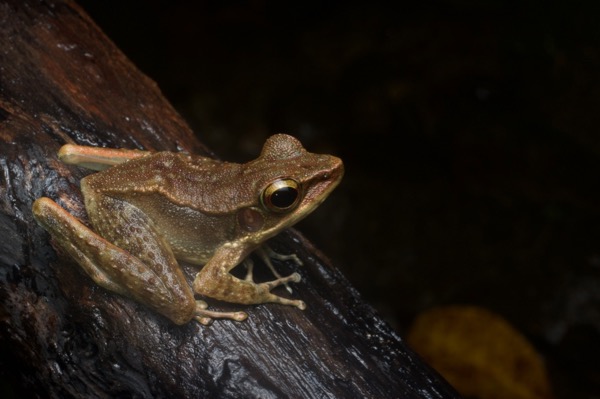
(316, 191)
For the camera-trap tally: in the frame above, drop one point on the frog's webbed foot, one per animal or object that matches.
(266, 253)
(215, 281)
(205, 317)
(269, 285)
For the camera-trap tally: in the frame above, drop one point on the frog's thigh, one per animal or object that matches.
(122, 268)
(215, 281)
(159, 281)
(96, 158)
(75, 238)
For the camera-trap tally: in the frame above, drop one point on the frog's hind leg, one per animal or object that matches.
(97, 158)
(216, 281)
(123, 266)
(77, 240)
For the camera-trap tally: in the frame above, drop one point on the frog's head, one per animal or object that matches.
(288, 183)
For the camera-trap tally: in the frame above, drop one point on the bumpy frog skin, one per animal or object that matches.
(149, 210)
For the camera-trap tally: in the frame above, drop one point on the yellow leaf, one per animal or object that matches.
(479, 353)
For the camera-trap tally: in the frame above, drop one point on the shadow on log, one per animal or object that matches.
(62, 81)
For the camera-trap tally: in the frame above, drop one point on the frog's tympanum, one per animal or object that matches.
(148, 210)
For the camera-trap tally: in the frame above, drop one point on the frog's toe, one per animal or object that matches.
(205, 321)
(289, 302)
(294, 278)
(269, 285)
(205, 316)
(201, 305)
(299, 304)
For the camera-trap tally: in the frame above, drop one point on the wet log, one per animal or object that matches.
(62, 80)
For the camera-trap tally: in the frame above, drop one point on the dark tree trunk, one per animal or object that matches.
(62, 80)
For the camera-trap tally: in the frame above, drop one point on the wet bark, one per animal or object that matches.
(62, 80)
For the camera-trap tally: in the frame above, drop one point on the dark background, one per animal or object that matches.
(469, 131)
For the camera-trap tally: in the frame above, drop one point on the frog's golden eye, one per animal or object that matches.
(282, 195)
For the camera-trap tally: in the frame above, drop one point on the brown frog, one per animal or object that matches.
(149, 210)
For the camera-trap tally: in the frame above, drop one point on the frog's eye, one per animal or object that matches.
(281, 195)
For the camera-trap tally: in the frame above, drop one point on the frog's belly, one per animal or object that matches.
(192, 235)
(195, 258)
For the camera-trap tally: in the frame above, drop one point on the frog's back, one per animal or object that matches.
(196, 182)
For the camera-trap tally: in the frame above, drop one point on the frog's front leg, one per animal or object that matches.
(216, 281)
(139, 266)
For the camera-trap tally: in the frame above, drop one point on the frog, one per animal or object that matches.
(150, 210)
